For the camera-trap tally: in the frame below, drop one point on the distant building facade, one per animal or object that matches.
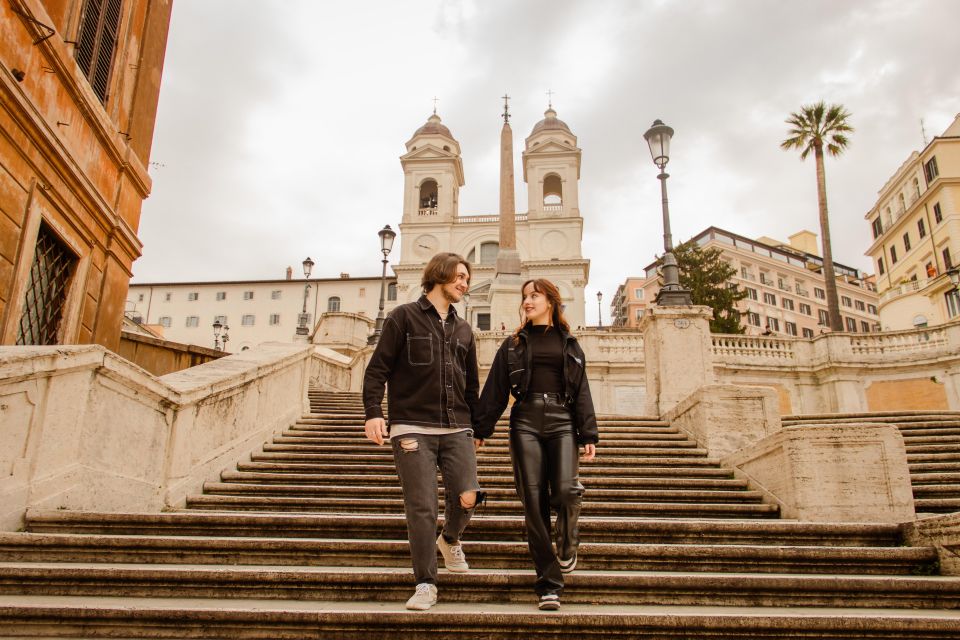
(548, 235)
(79, 84)
(255, 311)
(916, 236)
(784, 285)
(629, 303)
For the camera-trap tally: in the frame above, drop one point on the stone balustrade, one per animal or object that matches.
(742, 349)
(82, 428)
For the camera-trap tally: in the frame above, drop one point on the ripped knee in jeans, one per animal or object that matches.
(409, 445)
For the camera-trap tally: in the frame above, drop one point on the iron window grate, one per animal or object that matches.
(97, 42)
(50, 274)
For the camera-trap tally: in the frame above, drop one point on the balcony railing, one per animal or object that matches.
(904, 289)
(428, 211)
(553, 208)
(520, 217)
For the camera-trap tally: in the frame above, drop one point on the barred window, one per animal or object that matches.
(97, 42)
(46, 295)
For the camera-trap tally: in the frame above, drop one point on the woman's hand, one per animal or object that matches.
(477, 443)
(589, 452)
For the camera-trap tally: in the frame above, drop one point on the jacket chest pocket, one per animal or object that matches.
(516, 368)
(419, 350)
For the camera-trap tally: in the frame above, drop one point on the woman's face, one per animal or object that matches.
(536, 309)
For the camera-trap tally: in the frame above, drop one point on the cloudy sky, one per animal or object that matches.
(280, 123)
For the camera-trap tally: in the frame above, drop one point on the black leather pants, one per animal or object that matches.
(543, 448)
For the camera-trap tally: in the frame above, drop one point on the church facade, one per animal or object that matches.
(547, 237)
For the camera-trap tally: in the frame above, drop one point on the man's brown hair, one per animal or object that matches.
(442, 269)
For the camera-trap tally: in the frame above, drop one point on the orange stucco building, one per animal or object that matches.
(79, 83)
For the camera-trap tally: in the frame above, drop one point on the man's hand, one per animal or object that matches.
(589, 452)
(376, 430)
(477, 443)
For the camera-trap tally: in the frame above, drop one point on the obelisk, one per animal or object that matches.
(505, 288)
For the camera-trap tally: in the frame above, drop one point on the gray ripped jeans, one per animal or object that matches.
(417, 457)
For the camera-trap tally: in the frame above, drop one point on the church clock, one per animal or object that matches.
(425, 246)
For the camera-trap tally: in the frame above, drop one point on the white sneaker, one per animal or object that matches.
(423, 598)
(453, 557)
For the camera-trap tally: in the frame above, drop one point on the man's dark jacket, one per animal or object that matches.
(429, 367)
(511, 371)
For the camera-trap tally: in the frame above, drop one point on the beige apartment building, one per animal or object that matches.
(256, 311)
(916, 232)
(629, 303)
(784, 285)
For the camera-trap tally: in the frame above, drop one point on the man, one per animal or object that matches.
(428, 359)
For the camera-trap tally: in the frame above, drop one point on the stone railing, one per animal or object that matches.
(741, 348)
(82, 428)
(427, 211)
(916, 341)
(161, 357)
(903, 289)
(520, 217)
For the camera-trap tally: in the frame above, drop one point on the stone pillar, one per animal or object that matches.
(678, 354)
(504, 295)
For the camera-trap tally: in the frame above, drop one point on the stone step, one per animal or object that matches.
(378, 505)
(919, 479)
(390, 479)
(51, 616)
(479, 586)
(494, 494)
(73, 548)
(945, 456)
(482, 527)
(587, 470)
(936, 505)
(858, 416)
(951, 447)
(648, 447)
(385, 458)
(934, 467)
(951, 434)
(942, 489)
(606, 435)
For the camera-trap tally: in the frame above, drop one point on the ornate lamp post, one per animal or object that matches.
(671, 294)
(387, 236)
(307, 270)
(599, 314)
(217, 326)
(954, 275)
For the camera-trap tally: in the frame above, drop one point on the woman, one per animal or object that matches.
(543, 367)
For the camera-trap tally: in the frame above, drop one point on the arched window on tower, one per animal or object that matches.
(428, 198)
(552, 193)
(392, 291)
(333, 303)
(488, 252)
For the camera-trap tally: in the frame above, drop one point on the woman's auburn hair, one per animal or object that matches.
(442, 269)
(548, 289)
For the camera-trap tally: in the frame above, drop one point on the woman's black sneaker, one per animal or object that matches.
(549, 602)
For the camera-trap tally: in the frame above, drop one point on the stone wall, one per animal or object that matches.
(82, 428)
(161, 357)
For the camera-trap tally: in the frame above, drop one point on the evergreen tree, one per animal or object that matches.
(706, 274)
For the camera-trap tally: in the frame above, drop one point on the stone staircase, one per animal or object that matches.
(932, 440)
(307, 540)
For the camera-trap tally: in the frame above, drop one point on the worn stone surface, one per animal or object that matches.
(832, 473)
(943, 533)
(725, 418)
(678, 354)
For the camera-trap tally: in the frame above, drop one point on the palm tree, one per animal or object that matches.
(814, 127)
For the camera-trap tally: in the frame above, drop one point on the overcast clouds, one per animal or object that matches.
(281, 123)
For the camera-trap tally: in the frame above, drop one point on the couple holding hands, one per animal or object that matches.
(427, 358)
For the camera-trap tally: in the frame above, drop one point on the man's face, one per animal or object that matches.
(453, 291)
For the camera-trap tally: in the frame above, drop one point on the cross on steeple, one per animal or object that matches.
(435, 100)
(550, 98)
(506, 108)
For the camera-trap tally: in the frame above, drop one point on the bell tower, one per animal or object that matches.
(433, 174)
(551, 169)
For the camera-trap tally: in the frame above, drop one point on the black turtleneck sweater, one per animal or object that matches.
(546, 345)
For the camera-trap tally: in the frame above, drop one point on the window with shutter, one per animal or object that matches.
(97, 42)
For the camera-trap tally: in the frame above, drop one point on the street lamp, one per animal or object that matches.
(599, 315)
(466, 308)
(386, 244)
(307, 270)
(217, 326)
(671, 294)
(954, 275)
